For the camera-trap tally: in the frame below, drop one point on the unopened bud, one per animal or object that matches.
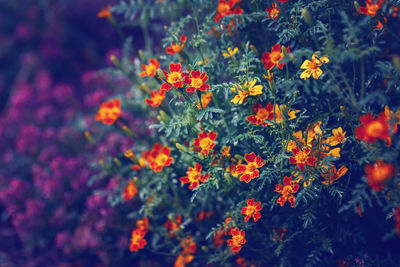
(164, 116)
(284, 51)
(396, 61)
(227, 176)
(114, 60)
(128, 131)
(116, 161)
(254, 49)
(161, 74)
(204, 248)
(143, 87)
(307, 16)
(135, 179)
(357, 6)
(141, 54)
(181, 147)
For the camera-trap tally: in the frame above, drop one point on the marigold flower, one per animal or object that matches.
(313, 67)
(273, 11)
(105, 12)
(230, 53)
(205, 142)
(156, 99)
(279, 234)
(252, 210)
(151, 69)
(233, 169)
(372, 129)
(266, 113)
(176, 47)
(337, 138)
(158, 157)
(378, 172)
(237, 240)
(143, 224)
(130, 191)
(205, 100)
(175, 78)
(137, 240)
(173, 226)
(250, 171)
(243, 91)
(203, 215)
(226, 8)
(333, 175)
(371, 7)
(272, 59)
(301, 158)
(196, 80)
(287, 190)
(194, 176)
(225, 152)
(109, 111)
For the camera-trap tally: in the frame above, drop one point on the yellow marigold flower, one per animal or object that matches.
(205, 100)
(337, 138)
(243, 91)
(230, 53)
(312, 67)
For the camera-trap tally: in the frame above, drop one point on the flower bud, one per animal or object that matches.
(181, 147)
(164, 116)
(307, 17)
(160, 74)
(143, 87)
(357, 6)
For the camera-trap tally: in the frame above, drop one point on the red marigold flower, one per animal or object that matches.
(173, 225)
(273, 11)
(272, 59)
(130, 191)
(378, 172)
(205, 142)
(250, 171)
(143, 224)
(196, 80)
(252, 210)
(176, 47)
(194, 176)
(226, 8)
(175, 78)
(105, 12)
(109, 111)
(137, 240)
(302, 157)
(372, 129)
(266, 113)
(237, 240)
(287, 190)
(151, 69)
(371, 7)
(158, 157)
(156, 99)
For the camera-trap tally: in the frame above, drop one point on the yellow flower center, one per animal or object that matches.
(251, 167)
(174, 77)
(276, 56)
(194, 175)
(205, 143)
(251, 210)
(374, 128)
(237, 239)
(287, 190)
(301, 156)
(223, 9)
(196, 82)
(313, 65)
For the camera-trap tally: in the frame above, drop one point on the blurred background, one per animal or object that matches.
(51, 213)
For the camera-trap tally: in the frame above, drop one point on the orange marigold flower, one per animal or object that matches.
(156, 99)
(204, 215)
(105, 12)
(233, 170)
(372, 129)
(205, 142)
(272, 59)
(273, 11)
(301, 158)
(151, 69)
(143, 224)
(175, 78)
(194, 176)
(173, 225)
(137, 240)
(205, 100)
(279, 234)
(337, 138)
(237, 240)
(287, 190)
(252, 210)
(196, 80)
(266, 113)
(188, 248)
(371, 7)
(176, 47)
(378, 172)
(250, 171)
(226, 8)
(130, 191)
(109, 111)
(313, 67)
(333, 175)
(225, 151)
(158, 157)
